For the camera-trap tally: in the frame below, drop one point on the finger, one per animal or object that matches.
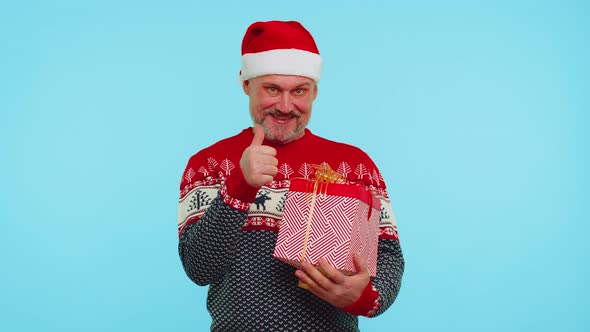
(267, 160)
(267, 150)
(309, 283)
(360, 263)
(265, 179)
(330, 272)
(268, 170)
(317, 276)
(264, 169)
(258, 135)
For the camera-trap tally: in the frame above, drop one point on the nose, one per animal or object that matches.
(284, 104)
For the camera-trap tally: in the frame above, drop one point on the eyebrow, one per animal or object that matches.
(269, 84)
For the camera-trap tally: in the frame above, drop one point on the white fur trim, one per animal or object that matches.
(284, 62)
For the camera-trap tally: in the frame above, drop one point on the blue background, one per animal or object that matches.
(475, 111)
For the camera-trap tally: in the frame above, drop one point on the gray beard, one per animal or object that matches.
(284, 137)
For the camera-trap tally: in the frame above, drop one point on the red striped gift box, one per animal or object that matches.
(332, 221)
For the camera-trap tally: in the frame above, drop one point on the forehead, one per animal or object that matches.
(285, 81)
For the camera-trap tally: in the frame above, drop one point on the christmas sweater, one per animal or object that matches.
(228, 230)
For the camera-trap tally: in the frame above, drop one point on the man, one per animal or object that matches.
(233, 193)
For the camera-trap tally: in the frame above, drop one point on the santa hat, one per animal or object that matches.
(278, 47)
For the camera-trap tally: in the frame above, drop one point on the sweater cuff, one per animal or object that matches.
(366, 304)
(236, 192)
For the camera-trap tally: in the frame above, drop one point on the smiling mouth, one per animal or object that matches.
(282, 118)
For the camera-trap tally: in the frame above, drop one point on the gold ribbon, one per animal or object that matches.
(324, 175)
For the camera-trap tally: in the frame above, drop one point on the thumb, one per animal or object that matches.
(360, 264)
(258, 135)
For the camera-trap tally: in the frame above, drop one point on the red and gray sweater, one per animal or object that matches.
(228, 230)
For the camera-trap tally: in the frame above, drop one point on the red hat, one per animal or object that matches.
(278, 47)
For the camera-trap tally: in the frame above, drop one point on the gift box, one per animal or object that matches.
(329, 220)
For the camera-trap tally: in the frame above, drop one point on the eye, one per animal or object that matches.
(299, 91)
(272, 89)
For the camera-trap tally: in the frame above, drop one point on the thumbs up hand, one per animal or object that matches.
(259, 162)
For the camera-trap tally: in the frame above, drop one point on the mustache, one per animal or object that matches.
(279, 114)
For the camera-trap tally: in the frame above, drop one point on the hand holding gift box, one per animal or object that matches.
(326, 218)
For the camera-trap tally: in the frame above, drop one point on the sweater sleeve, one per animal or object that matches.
(383, 289)
(390, 269)
(207, 242)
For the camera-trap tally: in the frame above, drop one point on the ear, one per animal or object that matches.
(315, 91)
(246, 87)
